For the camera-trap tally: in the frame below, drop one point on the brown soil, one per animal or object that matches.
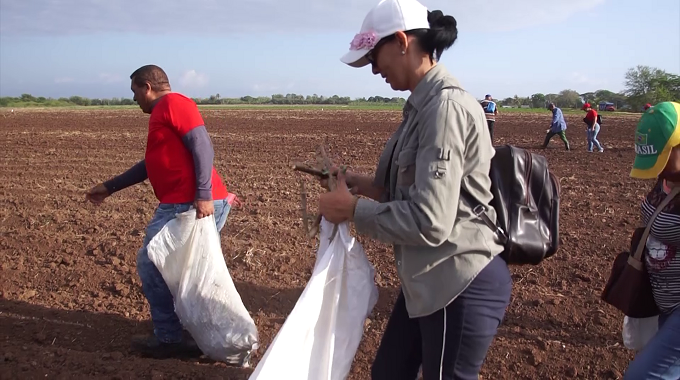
(70, 297)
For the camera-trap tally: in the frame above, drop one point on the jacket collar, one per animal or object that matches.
(433, 81)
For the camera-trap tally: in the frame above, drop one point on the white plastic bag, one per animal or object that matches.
(320, 337)
(188, 253)
(637, 332)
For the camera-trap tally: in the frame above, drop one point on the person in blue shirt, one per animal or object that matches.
(557, 127)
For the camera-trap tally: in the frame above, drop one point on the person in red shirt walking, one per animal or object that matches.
(179, 165)
(592, 128)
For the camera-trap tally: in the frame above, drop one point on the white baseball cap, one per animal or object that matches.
(385, 19)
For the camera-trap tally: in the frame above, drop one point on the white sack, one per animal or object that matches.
(320, 337)
(188, 253)
(637, 332)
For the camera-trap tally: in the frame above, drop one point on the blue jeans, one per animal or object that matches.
(451, 343)
(660, 359)
(167, 326)
(592, 138)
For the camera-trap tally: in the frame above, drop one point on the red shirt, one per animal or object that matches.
(169, 164)
(591, 116)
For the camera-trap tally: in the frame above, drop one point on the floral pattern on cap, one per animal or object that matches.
(366, 40)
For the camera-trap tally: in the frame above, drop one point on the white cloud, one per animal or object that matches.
(60, 17)
(110, 78)
(63, 80)
(192, 79)
(258, 87)
(579, 78)
(103, 78)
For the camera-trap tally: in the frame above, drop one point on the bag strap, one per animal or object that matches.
(480, 211)
(635, 260)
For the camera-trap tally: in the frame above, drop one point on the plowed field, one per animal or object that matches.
(70, 298)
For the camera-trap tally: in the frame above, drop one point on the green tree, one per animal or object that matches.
(568, 99)
(645, 84)
(538, 100)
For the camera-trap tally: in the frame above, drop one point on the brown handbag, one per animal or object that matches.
(628, 288)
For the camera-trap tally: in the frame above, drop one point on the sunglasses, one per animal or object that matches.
(373, 53)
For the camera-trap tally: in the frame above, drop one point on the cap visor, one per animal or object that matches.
(650, 167)
(355, 58)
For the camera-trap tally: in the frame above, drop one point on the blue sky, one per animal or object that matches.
(262, 47)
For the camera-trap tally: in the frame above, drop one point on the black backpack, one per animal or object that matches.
(599, 120)
(527, 202)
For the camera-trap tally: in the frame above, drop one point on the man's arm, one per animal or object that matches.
(197, 141)
(188, 123)
(134, 175)
(428, 217)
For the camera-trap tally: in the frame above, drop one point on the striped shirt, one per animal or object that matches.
(662, 260)
(489, 109)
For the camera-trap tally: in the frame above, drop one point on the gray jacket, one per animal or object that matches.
(442, 144)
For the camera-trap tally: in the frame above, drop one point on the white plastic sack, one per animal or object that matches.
(188, 253)
(320, 337)
(637, 332)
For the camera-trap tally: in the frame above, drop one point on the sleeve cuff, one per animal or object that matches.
(364, 215)
(204, 194)
(110, 186)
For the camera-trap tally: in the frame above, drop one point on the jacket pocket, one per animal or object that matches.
(406, 164)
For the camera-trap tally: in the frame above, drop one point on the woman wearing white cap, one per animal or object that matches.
(454, 285)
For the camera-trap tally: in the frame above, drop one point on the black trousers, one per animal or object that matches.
(491, 123)
(551, 134)
(451, 343)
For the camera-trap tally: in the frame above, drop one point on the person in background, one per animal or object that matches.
(558, 127)
(657, 156)
(490, 111)
(455, 286)
(179, 165)
(647, 106)
(592, 128)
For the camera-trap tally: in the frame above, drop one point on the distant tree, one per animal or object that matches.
(589, 97)
(538, 100)
(568, 99)
(507, 102)
(645, 84)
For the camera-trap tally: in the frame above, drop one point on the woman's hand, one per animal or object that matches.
(338, 205)
(358, 184)
(350, 179)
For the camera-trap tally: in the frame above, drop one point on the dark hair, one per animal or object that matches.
(154, 75)
(442, 34)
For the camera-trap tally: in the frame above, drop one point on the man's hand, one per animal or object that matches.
(338, 206)
(97, 194)
(204, 208)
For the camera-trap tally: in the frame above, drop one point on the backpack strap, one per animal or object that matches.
(636, 258)
(477, 207)
(480, 211)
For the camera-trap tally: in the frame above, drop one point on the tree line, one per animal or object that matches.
(643, 84)
(276, 99)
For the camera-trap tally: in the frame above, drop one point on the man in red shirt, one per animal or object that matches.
(179, 165)
(592, 128)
